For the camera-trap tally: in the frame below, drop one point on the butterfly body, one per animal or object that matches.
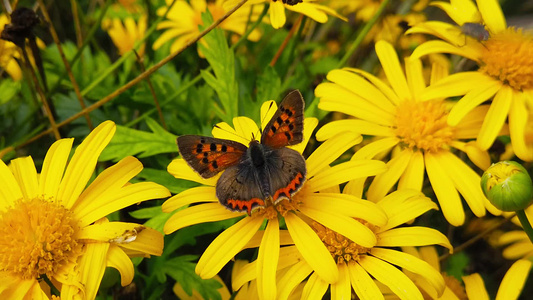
(261, 174)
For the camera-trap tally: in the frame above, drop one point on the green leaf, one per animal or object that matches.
(8, 89)
(268, 85)
(129, 141)
(181, 269)
(157, 218)
(222, 60)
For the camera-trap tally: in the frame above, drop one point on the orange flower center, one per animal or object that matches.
(423, 125)
(508, 57)
(341, 248)
(37, 237)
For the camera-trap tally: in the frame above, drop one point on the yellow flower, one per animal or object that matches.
(414, 127)
(8, 53)
(505, 74)
(184, 18)
(125, 34)
(329, 208)
(47, 220)
(314, 11)
(359, 265)
(510, 287)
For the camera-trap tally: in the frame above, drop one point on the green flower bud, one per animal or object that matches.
(508, 186)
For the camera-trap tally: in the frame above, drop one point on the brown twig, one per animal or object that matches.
(286, 41)
(156, 102)
(476, 238)
(142, 76)
(55, 37)
(77, 25)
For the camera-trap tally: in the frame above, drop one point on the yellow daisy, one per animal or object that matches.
(277, 8)
(510, 287)
(360, 266)
(331, 209)
(8, 53)
(51, 223)
(505, 72)
(126, 33)
(184, 18)
(400, 119)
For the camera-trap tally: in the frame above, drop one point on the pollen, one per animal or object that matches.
(37, 237)
(423, 125)
(508, 57)
(341, 248)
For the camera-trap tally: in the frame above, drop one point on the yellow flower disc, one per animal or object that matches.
(37, 237)
(508, 57)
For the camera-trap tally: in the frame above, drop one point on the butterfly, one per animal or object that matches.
(263, 172)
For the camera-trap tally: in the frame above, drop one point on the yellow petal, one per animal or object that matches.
(460, 11)
(372, 149)
(309, 126)
(315, 288)
(181, 170)
(444, 47)
(445, 31)
(412, 264)
(415, 78)
(383, 182)
(343, 172)
(518, 250)
(208, 212)
(10, 191)
(109, 181)
(382, 86)
(413, 176)
(495, 117)
(514, 280)
(54, 166)
(390, 276)
(349, 205)
(457, 85)
(190, 196)
(361, 87)
(329, 151)
(148, 242)
(116, 258)
(406, 209)
(518, 119)
(333, 97)
(245, 128)
(357, 126)
(267, 261)
(475, 287)
(92, 267)
(126, 196)
(226, 246)
(310, 10)
(106, 232)
(277, 14)
(26, 175)
(391, 66)
(342, 289)
(483, 91)
(363, 285)
(492, 15)
(284, 239)
(292, 278)
(83, 162)
(311, 248)
(445, 191)
(347, 226)
(465, 180)
(412, 236)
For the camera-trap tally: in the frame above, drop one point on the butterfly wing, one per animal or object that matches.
(208, 156)
(287, 173)
(238, 188)
(286, 126)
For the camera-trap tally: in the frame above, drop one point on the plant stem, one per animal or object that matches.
(521, 214)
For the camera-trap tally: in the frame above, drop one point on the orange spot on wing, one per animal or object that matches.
(240, 204)
(289, 190)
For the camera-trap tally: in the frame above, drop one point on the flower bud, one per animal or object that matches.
(508, 186)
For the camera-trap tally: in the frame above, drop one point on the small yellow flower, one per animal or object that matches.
(52, 225)
(413, 128)
(278, 18)
(184, 18)
(360, 267)
(328, 207)
(505, 72)
(125, 33)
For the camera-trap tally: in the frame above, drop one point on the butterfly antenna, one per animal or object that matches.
(264, 117)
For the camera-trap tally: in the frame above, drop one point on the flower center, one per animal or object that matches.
(423, 125)
(508, 57)
(341, 248)
(37, 237)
